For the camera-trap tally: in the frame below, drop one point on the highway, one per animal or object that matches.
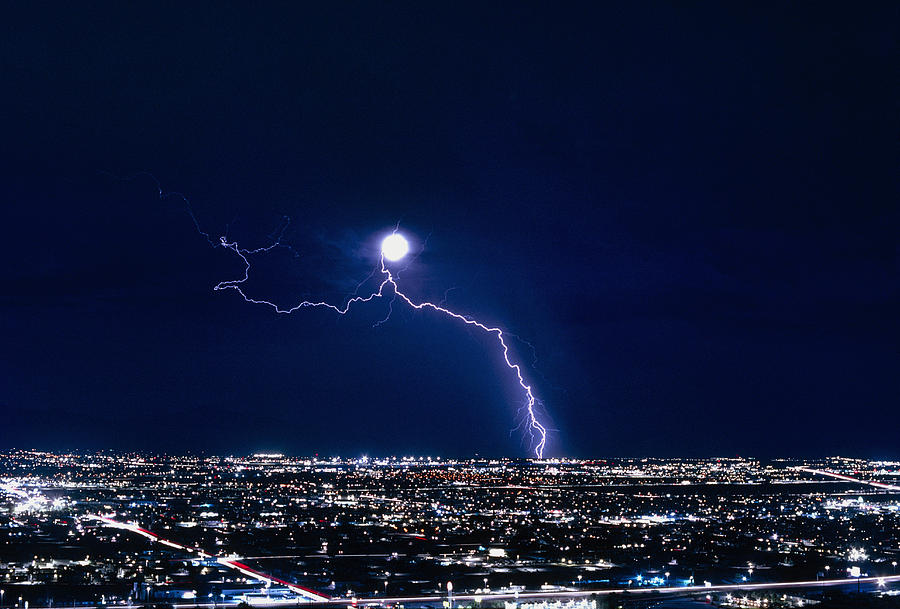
(437, 599)
(307, 593)
(567, 594)
(106, 521)
(822, 472)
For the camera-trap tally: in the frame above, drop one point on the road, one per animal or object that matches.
(437, 599)
(822, 472)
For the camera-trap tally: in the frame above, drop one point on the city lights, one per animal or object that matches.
(171, 527)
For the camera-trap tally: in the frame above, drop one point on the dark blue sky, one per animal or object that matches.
(691, 213)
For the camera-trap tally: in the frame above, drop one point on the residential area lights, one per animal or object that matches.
(220, 530)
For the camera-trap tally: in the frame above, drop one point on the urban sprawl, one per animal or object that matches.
(95, 529)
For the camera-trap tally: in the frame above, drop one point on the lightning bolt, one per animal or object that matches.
(536, 429)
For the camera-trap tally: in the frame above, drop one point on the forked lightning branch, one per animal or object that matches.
(394, 248)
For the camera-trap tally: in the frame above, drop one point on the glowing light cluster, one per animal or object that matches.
(31, 503)
(10, 487)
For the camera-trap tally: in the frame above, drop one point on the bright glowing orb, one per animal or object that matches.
(394, 247)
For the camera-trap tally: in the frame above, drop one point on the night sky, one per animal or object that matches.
(690, 212)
